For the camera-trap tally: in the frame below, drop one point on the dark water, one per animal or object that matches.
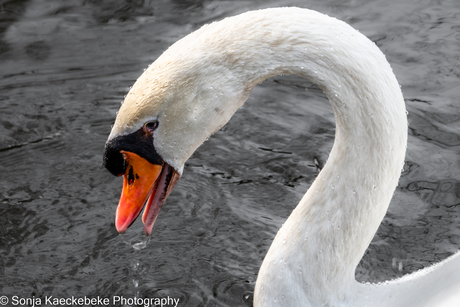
(64, 69)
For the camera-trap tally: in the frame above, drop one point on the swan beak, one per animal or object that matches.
(143, 182)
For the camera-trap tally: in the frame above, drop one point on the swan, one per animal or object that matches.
(197, 84)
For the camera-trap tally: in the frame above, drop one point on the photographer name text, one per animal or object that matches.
(85, 301)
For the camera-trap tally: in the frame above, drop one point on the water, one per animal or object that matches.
(65, 68)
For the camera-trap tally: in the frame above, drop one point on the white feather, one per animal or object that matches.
(198, 83)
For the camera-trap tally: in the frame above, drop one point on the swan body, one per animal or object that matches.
(194, 88)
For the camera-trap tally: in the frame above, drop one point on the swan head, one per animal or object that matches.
(177, 103)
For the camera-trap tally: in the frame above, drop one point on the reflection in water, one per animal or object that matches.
(65, 69)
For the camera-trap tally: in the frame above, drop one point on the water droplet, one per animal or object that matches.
(332, 186)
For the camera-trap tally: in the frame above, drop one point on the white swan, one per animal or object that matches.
(194, 88)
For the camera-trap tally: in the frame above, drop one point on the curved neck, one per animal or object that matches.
(322, 242)
(204, 78)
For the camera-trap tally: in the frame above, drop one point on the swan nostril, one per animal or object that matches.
(131, 176)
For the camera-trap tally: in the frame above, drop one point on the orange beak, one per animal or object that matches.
(143, 182)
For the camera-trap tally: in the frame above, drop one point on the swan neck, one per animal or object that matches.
(195, 87)
(323, 240)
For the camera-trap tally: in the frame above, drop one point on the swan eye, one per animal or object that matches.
(150, 126)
